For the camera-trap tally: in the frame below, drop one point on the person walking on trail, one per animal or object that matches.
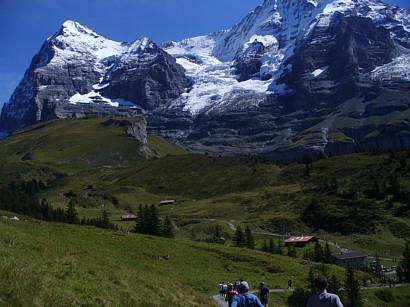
(263, 294)
(221, 289)
(290, 284)
(323, 299)
(224, 290)
(245, 299)
(231, 293)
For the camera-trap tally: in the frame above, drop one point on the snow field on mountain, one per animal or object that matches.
(212, 81)
(92, 97)
(398, 69)
(77, 40)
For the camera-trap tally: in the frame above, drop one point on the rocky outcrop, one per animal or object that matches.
(327, 66)
(148, 77)
(138, 130)
(248, 63)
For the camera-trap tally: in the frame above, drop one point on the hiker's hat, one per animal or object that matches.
(244, 285)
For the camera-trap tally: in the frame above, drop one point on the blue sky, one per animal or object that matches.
(25, 24)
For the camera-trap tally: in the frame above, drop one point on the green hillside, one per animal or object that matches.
(359, 200)
(50, 264)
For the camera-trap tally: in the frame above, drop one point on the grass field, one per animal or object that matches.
(50, 264)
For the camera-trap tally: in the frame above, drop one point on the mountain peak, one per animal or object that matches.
(71, 27)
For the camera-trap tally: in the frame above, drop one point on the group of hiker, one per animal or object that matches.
(237, 294)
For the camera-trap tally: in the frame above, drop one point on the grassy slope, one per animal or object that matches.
(47, 264)
(100, 163)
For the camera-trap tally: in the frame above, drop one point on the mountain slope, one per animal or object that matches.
(94, 164)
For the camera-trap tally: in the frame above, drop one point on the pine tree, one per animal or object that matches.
(105, 221)
(271, 246)
(154, 224)
(249, 241)
(265, 247)
(327, 254)
(318, 255)
(280, 245)
(71, 214)
(352, 289)
(146, 220)
(139, 223)
(239, 239)
(217, 234)
(167, 230)
(405, 267)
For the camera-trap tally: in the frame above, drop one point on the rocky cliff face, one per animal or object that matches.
(291, 77)
(79, 73)
(138, 130)
(312, 76)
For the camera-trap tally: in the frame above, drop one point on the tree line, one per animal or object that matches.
(244, 239)
(319, 253)
(13, 200)
(149, 222)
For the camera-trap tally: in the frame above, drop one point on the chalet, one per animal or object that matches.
(300, 241)
(355, 260)
(129, 217)
(167, 202)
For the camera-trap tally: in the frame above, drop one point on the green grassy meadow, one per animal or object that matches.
(51, 264)
(360, 201)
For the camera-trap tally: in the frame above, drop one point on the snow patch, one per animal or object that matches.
(318, 71)
(100, 86)
(93, 97)
(266, 40)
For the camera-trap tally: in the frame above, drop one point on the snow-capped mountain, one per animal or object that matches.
(78, 72)
(274, 30)
(292, 76)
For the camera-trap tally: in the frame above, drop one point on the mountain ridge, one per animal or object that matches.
(273, 84)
